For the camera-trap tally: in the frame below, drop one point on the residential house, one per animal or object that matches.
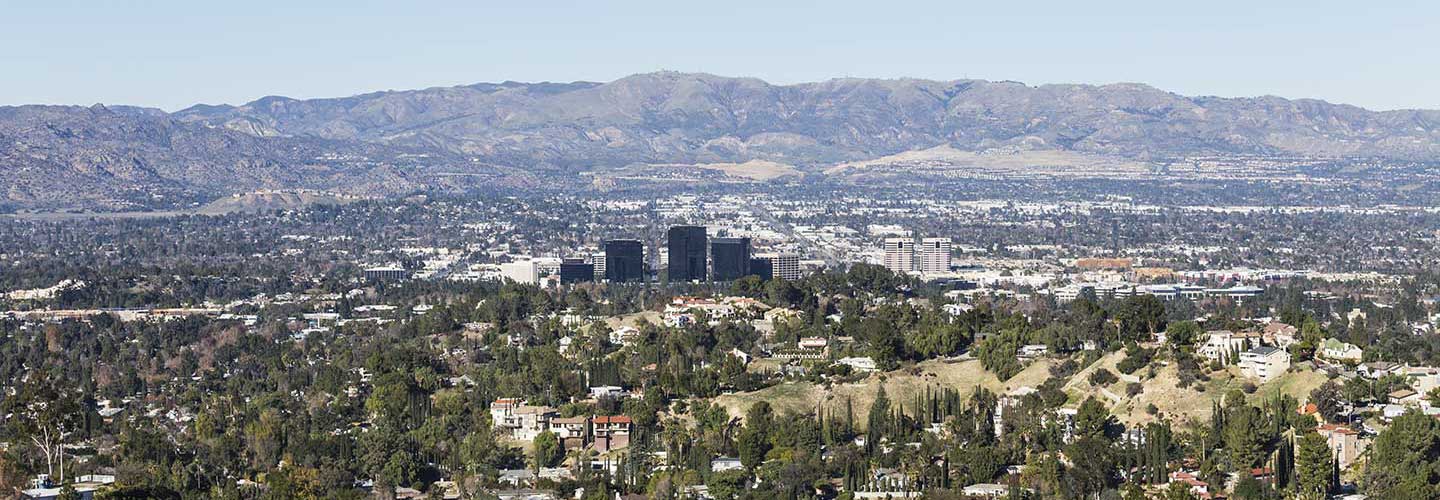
(572, 431)
(1280, 334)
(1009, 400)
(1405, 397)
(859, 364)
(814, 343)
(679, 320)
(1376, 370)
(1221, 345)
(607, 391)
(519, 420)
(722, 464)
(986, 490)
(1422, 378)
(610, 432)
(625, 335)
(1033, 351)
(1197, 487)
(1345, 443)
(1264, 362)
(1335, 350)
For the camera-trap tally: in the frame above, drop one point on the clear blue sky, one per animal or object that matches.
(171, 54)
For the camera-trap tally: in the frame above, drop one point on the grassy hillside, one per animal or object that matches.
(1162, 390)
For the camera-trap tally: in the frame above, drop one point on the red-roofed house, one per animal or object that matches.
(1345, 444)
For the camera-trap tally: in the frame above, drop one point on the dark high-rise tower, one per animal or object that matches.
(624, 261)
(687, 253)
(576, 270)
(729, 258)
(763, 267)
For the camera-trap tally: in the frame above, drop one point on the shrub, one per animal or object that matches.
(1064, 369)
(1135, 359)
(1134, 389)
(1103, 377)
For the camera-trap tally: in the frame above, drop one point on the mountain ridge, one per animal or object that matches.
(517, 133)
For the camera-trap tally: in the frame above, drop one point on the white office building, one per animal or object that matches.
(932, 255)
(900, 254)
(525, 272)
(783, 265)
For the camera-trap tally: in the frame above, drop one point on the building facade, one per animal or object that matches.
(686, 246)
(624, 261)
(782, 265)
(524, 272)
(576, 270)
(730, 258)
(932, 255)
(900, 254)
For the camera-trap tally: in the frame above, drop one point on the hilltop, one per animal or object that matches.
(513, 134)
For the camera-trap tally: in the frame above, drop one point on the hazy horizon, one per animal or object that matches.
(171, 55)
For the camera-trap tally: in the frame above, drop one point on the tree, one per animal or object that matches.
(1182, 334)
(1405, 459)
(1094, 465)
(1242, 436)
(752, 446)
(1140, 315)
(1328, 400)
(1092, 420)
(1178, 490)
(548, 451)
(1312, 466)
(726, 485)
(1248, 488)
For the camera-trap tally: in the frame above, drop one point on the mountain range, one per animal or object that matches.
(533, 134)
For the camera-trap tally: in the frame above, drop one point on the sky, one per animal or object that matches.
(172, 54)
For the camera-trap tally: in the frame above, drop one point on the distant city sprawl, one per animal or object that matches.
(799, 341)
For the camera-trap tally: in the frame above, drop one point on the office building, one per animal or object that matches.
(524, 272)
(548, 266)
(900, 254)
(576, 270)
(932, 255)
(686, 253)
(729, 258)
(386, 273)
(624, 261)
(783, 266)
(598, 259)
(761, 267)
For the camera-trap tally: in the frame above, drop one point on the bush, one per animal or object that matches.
(1152, 409)
(1064, 369)
(1134, 389)
(1103, 377)
(1135, 359)
(1248, 387)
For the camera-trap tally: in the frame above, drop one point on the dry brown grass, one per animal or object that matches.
(901, 386)
(1180, 405)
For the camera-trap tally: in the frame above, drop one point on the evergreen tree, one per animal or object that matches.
(1312, 466)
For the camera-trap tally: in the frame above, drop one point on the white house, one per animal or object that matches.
(1336, 350)
(859, 364)
(1220, 344)
(1264, 362)
(624, 335)
(521, 421)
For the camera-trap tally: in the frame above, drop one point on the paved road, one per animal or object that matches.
(832, 259)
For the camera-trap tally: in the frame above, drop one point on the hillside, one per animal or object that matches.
(1174, 403)
(119, 159)
(672, 117)
(507, 135)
